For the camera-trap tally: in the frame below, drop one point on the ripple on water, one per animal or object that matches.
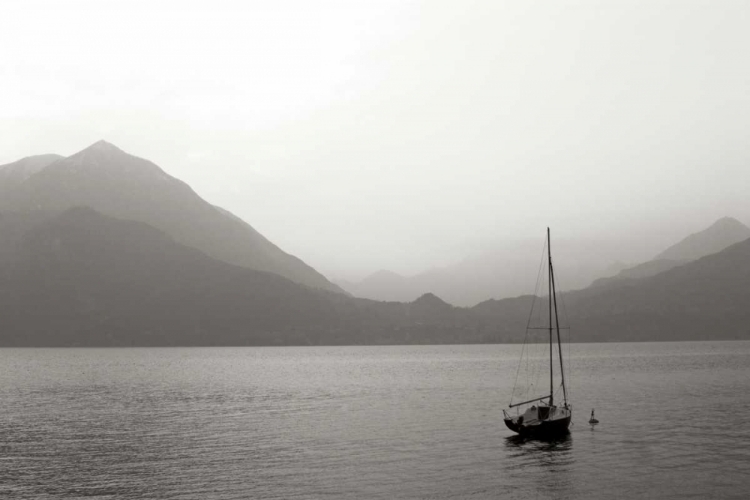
(368, 422)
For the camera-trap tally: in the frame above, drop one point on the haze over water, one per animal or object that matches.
(368, 422)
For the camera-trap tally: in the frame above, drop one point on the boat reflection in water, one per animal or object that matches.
(550, 461)
(533, 444)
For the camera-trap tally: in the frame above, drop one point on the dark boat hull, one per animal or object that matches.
(546, 428)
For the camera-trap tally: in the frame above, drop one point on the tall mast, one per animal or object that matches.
(549, 286)
(557, 325)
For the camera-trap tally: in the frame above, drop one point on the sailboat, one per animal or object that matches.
(546, 417)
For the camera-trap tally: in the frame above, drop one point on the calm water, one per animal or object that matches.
(368, 422)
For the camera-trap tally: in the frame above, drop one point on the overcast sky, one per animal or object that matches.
(402, 135)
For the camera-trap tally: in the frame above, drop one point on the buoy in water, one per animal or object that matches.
(592, 420)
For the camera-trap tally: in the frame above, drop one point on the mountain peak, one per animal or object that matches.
(100, 147)
(728, 222)
(719, 235)
(432, 300)
(101, 153)
(104, 158)
(103, 145)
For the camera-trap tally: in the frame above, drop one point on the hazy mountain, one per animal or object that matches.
(73, 276)
(644, 270)
(13, 228)
(13, 174)
(722, 233)
(384, 285)
(615, 268)
(82, 278)
(124, 186)
(650, 268)
(703, 299)
(706, 298)
(508, 271)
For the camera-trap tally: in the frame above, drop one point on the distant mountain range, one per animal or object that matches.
(83, 278)
(702, 300)
(720, 235)
(510, 271)
(105, 249)
(116, 183)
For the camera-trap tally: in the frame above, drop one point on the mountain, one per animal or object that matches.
(384, 285)
(153, 266)
(118, 184)
(721, 234)
(650, 268)
(14, 226)
(83, 278)
(509, 270)
(644, 270)
(703, 299)
(700, 300)
(13, 174)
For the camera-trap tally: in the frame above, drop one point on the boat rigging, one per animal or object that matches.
(545, 419)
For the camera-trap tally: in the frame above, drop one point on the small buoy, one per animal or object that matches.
(592, 420)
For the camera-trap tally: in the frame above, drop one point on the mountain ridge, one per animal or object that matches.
(125, 186)
(15, 173)
(129, 273)
(721, 234)
(507, 272)
(87, 279)
(107, 281)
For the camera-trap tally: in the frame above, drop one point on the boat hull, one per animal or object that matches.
(546, 428)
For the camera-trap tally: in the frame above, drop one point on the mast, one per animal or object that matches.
(549, 294)
(557, 325)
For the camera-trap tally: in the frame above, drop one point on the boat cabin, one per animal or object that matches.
(533, 414)
(538, 413)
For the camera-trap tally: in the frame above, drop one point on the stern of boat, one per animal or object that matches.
(511, 422)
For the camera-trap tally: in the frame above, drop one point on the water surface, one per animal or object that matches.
(368, 422)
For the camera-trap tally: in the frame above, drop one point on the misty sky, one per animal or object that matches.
(402, 135)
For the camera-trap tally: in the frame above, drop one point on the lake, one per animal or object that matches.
(369, 422)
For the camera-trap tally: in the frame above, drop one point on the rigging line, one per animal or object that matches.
(536, 367)
(558, 389)
(570, 340)
(570, 367)
(567, 320)
(528, 322)
(518, 369)
(537, 285)
(557, 325)
(534, 370)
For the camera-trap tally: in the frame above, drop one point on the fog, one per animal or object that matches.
(403, 135)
